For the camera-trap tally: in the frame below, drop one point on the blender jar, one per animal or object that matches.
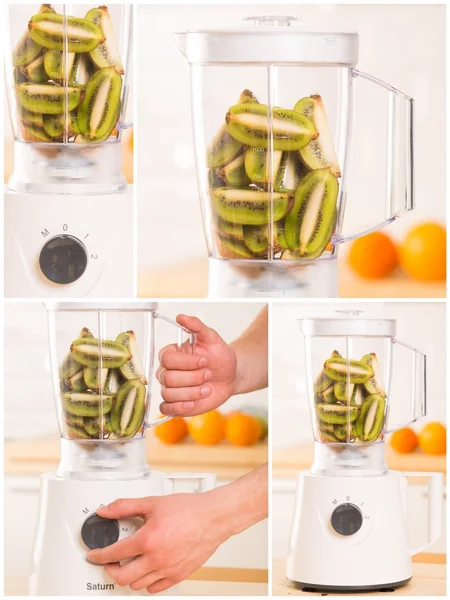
(102, 359)
(273, 109)
(67, 74)
(357, 375)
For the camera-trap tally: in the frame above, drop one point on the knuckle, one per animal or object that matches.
(121, 579)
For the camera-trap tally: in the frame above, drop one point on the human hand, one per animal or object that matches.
(192, 384)
(179, 534)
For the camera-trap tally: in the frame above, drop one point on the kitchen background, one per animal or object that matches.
(31, 434)
(171, 246)
(419, 324)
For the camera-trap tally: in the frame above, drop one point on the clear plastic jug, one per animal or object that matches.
(273, 111)
(362, 384)
(67, 76)
(102, 358)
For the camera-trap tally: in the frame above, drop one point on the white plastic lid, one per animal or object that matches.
(105, 306)
(347, 323)
(270, 40)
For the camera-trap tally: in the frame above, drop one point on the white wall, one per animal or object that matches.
(421, 325)
(401, 44)
(28, 392)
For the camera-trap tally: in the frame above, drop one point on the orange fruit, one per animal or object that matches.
(207, 429)
(433, 438)
(373, 256)
(404, 440)
(422, 254)
(172, 431)
(242, 429)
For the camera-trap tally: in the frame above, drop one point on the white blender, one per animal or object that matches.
(68, 208)
(350, 526)
(273, 114)
(102, 364)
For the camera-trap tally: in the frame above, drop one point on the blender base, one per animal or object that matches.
(272, 279)
(59, 566)
(385, 587)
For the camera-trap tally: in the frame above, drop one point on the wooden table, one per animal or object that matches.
(40, 455)
(286, 462)
(428, 580)
(189, 279)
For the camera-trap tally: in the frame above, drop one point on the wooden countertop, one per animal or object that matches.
(428, 580)
(189, 279)
(286, 462)
(207, 581)
(39, 455)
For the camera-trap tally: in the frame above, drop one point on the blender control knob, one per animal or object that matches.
(98, 532)
(63, 259)
(346, 519)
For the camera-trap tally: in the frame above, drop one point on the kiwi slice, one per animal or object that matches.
(88, 351)
(106, 54)
(69, 367)
(371, 418)
(256, 238)
(374, 385)
(323, 382)
(343, 390)
(77, 382)
(133, 368)
(328, 396)
(92, 379)
(343, 369)
(234, 172)
(308, 225)
(250, 206)
(128, 412)
(320, 152)
(48, 98)
(86, 404)
(336, 413)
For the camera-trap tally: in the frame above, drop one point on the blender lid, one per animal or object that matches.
(347, 323)
(270, 40)
(105, 306)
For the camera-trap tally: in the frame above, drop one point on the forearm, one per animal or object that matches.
(239, 505)
(251, 349)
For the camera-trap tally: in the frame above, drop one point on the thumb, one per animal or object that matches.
(126, 507)
(202, 331)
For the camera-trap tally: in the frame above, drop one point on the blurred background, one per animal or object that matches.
(32, 436)
(400, 265)
(421, 447)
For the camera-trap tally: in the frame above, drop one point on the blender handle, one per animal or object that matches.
(205, 481)
(399, 199)
(192, 338)
(417, 390)
(435, 508)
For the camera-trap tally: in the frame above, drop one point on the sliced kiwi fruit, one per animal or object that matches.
(76, 432)
(58, 64)
(133, 368)
(307, 226)
(69, 367)
(92, 426)
(250, 206)
(48, 98)
(229, 230)
(33, 133)
(290, 172)
(113, 382)
(343, 390)
(56, 32)
(92, 379)
(85, 404)
(88, 351)
(81, 70)
(320, 152)
(337, 414)
(106, 54)
(374, 385)
(250, 124)
(234, 172)
(256, 238)
(98, 113)
(343, 369)
(128, 412)
(77, 383)
(259, 167)
(371, 418)
(328, 396)
(231, 248)
(323, 382)
(35, 71)
(224, 147)
(26, 50)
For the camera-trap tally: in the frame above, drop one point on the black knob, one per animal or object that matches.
(346, 519)
(63, 259)
(98, 532)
